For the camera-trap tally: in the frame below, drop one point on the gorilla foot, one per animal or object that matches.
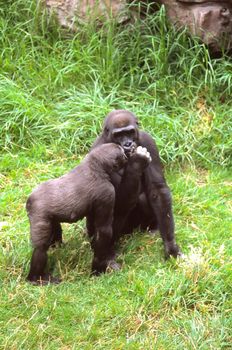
(113, 266)
(56, 244)
(99, 267)
(152, 231)
(43, 280)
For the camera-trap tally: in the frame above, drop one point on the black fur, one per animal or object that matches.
(143, 198)
(84, 190)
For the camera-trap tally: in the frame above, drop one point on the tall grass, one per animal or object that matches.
(55, 89)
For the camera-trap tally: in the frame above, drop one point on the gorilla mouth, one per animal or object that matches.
(129, 150)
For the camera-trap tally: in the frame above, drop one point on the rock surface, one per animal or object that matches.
(73, 13)
(209, 20)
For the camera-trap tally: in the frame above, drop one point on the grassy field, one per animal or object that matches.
(55, 90)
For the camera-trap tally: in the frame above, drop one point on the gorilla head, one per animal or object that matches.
(121, 127)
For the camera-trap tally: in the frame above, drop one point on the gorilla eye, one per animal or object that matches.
(131, 132)
(118, 133)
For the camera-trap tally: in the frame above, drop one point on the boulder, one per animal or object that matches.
(211, 21)
(71, 14)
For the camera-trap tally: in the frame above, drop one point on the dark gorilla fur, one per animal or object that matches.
(143, 199)
(69, 198)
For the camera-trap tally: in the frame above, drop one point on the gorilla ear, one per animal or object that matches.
(136, 122)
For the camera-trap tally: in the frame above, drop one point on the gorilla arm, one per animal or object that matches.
(159, 196)
(128, 191)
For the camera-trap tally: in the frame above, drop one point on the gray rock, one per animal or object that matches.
(211, 21)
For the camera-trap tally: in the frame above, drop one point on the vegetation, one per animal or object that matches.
(55, 89)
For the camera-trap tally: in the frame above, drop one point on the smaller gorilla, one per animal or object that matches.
(70, 198)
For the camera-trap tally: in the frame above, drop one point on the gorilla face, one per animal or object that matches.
(125, 137)
(121, 127)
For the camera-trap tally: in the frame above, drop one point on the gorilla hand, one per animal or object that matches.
(172, 249)
(140, 159)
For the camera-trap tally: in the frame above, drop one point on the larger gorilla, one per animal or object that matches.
(143, 199)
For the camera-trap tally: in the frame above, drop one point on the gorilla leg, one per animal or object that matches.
(56, 234)
(41, 234)
(102, 243)
(38, 264)
(141, 217)
(147, 219)
(90, 225)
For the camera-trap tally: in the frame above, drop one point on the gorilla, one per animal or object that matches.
(142, 197)
(84, 190)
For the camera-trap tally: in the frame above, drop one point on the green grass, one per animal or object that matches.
(55, 89)
(150, 303)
